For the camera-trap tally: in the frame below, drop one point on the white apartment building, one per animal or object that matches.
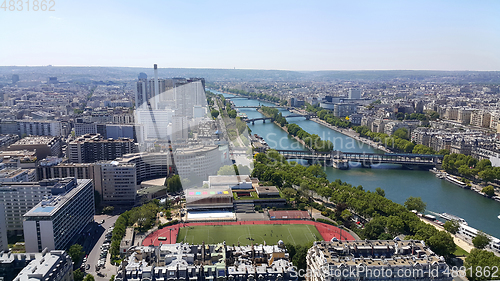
(19, 198)
(40, 128)
(17, 175)
(50, 266)
(366, 260)
(54, 222)
(116, 182)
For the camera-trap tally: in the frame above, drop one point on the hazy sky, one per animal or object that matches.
(293, 35)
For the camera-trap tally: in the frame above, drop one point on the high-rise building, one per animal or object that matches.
(354, 94)
(4, 244)
(55, 221)
(50, 266)
(116, 182)
(19, 197)
(93, 148)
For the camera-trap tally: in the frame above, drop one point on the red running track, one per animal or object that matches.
(170, 232)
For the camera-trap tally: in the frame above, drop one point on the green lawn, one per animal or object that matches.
(298, 234)
(459, 252)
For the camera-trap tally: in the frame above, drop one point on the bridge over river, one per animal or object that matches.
(340, 160)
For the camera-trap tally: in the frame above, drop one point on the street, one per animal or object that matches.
(93, 256)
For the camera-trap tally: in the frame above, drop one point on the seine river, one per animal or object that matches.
(399, 184)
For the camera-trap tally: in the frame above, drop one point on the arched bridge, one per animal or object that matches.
(341, 159)
(307, 116)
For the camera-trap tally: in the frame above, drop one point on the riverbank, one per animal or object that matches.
(286, 131)
(352, 134)
(459, 241)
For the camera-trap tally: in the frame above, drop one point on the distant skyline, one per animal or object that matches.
(284, 35)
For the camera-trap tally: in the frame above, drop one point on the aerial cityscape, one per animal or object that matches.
(214, 140)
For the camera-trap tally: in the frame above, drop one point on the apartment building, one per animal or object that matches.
(44, 145)
(19, 197)
(55, 221)
(93, 148)
(366, 260)
(115, 182)
(4, 244)
(50, 266)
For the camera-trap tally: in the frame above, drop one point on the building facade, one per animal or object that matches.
(50, 266)
(93, 148)
(55, 221)
(374, 260)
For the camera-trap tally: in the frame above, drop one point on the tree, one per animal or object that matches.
(374, 228)
(78, 275)
(395, 225)
(481, 240)
(173, 183)
(442, 243)
(89, 277)
(227, 170)
(380, 191)
(215, 113)
(76, 253)
(289, 193)
(108, 209)
(480, 259)
(489, 190)
(451, 226)
(112, 278)
(346, 214)
(415, 203)
(486, 175)
(401, 133)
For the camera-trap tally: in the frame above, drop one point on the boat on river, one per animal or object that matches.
(456, 182)
(450, 217)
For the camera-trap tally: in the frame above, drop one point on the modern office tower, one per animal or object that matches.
(19, 197)
(55, 221)
(40, 128)
(44, 145)
(354, 94)
(93, 148)
(15, 78)
(52, 80)
(50, 266)
(4, 245)
(115, 182)
(366, 260)
(153, 124)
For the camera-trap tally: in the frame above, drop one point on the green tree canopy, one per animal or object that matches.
(173, 183)
(451, 226)
(415, 203)
(489, 190)
(76, 253)
(480, 259)
(89, 277)
(380, 191)
(481, 240)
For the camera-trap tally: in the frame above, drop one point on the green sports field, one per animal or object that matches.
(298, 234)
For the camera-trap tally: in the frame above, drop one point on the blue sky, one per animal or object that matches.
(292, 35)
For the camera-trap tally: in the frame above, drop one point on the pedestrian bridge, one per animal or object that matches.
(307, 116)
(336, 158)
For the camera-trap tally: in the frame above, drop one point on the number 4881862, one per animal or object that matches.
(35, 5)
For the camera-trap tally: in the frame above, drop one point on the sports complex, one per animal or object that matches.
(225, 212)
(298, 232)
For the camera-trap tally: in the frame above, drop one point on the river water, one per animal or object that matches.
(399, 184)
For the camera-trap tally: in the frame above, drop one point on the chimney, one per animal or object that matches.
(157, 89)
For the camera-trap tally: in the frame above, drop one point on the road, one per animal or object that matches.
(93, 257)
